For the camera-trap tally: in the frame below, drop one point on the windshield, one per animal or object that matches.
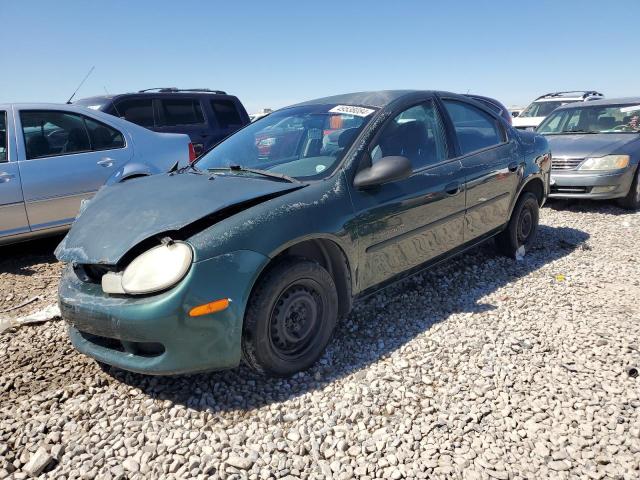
(593, 119)
(541, 109)
(301, 142)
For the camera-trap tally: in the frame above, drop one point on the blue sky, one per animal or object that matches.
(271, 54)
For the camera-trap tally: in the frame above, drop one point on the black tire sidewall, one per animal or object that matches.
(509, 243)
(258, 351)
(632, 200)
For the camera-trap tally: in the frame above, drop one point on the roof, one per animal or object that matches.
(37, 106)
(378, 99)
(603, 102)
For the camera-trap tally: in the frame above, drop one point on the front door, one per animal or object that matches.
(13, 217)
(404, 224)
(65, 158)
(490, 164)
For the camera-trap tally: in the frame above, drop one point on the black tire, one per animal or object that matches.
(290, 318)
(522, 227)
(632, 200)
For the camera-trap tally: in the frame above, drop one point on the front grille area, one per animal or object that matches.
(141, 349)
(564, 189)
(91, 273)
(562, 164)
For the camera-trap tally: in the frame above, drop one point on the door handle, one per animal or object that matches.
(452, 189)
(513, 166)
(6, 177)
(105, 162)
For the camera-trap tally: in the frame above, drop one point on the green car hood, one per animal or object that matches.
(121, 216)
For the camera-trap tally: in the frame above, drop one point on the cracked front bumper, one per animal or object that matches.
(154, 334)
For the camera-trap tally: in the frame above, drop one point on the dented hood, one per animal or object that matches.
(122, 215)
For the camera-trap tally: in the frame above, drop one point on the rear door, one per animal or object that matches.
(490, 164)
(409, 222)
(13, 216)
(183, 114)
(64, 157)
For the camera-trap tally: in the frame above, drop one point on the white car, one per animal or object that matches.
(541, 107)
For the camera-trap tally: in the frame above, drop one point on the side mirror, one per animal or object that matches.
(515, 114)
(385, 170)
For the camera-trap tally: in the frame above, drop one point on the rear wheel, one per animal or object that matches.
(632, 200)
(522, 227)
(290, 318)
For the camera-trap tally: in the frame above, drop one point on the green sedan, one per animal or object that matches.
(254, 252)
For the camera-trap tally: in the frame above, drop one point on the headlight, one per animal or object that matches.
(154, 270)
(608, 162)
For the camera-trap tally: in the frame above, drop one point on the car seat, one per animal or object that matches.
(77, 141)
(606, 123)
(38, 146)
(408, 140)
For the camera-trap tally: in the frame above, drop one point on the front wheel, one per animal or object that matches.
(290, 318)
(632, 200)
(522, 227)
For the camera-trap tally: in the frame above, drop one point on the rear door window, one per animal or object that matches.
(3, 136)
(49, 133)
(474, 128)
(138, 111)
(181, 112)
(226, 113)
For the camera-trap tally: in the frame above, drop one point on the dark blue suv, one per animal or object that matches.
(207, 116)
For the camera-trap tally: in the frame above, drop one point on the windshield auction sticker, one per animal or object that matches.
(352, 110)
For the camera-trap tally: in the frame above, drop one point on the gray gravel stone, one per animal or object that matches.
(482, 368)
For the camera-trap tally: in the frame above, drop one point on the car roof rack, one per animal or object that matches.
(176, 90)
(585, 94)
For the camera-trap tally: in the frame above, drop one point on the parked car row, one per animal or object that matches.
(541, 107)
(253, 250)
(207, 116)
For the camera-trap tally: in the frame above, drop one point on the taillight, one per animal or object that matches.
(192, 153)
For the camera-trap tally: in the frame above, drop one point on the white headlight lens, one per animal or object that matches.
(608, 162)
(157, 269)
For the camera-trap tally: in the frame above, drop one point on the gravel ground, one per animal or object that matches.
(482, 368)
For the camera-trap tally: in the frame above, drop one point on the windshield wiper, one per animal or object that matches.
(265, 173)
(579, 131)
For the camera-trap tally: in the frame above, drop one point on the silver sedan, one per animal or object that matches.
(52, 157)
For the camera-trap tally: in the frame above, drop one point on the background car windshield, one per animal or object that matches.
(302, 142)
(541, 109)
(593, 119)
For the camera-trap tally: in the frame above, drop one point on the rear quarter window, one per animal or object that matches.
(226, 113)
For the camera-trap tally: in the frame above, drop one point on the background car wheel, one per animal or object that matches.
(632, 200)
(522, 226)
(290, 318)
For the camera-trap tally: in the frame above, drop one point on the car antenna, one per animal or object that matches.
(83, 80)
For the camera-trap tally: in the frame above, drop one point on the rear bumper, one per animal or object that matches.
(154, 334)
(591, 185)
